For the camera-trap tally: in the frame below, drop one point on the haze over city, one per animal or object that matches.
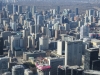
(49, 37)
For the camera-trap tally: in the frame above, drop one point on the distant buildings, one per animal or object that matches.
(1, 45)
(58, 9)
(77, 11)
(37, 42)
(84, 31)
(0, 5)
(43, 43)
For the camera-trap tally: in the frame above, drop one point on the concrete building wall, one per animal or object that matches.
(73, 53)
(54, 63)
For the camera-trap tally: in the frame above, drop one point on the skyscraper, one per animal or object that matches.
(77, 11)
(58, 9)
(43, 43)
(33, 10)
(4, 64)
(18, 70)
(60, 47)
(19, 8)
(9, 8)
(1, 45)
(13, 25)
(32, 28)
(0, 5)
(15, 42)
(90, 55)
(84, 31)
(91, 11)
(73, 52)
(14, 9)
(54, 63)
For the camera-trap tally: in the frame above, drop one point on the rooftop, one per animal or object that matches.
(32, 52)
(42, 64)
(92, 72)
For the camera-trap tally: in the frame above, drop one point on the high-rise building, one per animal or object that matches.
(28, 8)
(80, 23)
(4, 64)
(86, 19)
(29, 42)
(33, 41)
(87, 13)
(60, 47)
(73, 52)
(20, 9)
(18, 70)
(91, 19)
(9, 8)
(15, 42)
(25, 36)
(58, 9)
(40, 20)
(57, 32)
(14, 17)
(32, 28)
(5, 34)
(96, 65)
(1, 45)
(14, 9)
(67, 26)
(1, 16)
(77, 11)
(33, 10)
(43, 43)
(43, 29)
(62, 19)
(54, 63)
(13, 25)
(4, 13)
(91, 11)
(90, 55)
(84, 31)
(0, 5)
(53, 11)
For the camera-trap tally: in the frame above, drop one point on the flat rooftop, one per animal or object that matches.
(92, 72)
